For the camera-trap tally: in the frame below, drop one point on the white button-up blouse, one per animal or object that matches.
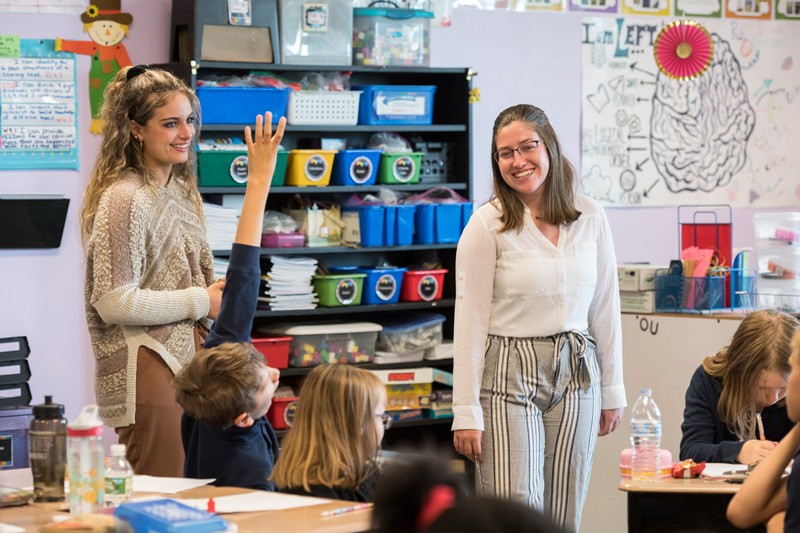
(519, 284)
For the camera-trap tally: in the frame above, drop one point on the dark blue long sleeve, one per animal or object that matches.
(239, 298)
(705, 437)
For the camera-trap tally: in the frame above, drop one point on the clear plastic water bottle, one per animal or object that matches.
(85, 462)
(119, 477)
(646, 438)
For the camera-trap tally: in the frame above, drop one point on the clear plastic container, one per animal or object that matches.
(316, 33)
(119, 478)
(777, 229)
(314, 344)
(646, 438)
(410, 333)
(85, 462)
(391, 37)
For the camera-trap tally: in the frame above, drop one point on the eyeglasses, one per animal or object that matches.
(386, 420)
(507, 154)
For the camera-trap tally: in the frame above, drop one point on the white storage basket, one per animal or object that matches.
(323, 108)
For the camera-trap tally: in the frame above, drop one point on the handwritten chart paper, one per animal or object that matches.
(38, 108)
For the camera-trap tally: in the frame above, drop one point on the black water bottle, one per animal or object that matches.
(47, 448)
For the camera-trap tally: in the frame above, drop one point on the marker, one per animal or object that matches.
(350, 509)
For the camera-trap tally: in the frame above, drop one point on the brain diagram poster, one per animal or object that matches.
(727, 137)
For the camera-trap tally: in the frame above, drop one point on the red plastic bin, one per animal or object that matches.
(275, 350)
(422, 285)
(281, 412)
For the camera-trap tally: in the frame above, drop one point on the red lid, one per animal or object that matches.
(85, 432)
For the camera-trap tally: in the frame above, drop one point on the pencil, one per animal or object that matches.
(350, 509)
(761, 435)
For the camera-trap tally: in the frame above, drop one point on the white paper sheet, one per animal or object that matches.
(255, 501)
(166, 485)
(725, 471)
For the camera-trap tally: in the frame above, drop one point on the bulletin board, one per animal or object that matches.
(38, 105)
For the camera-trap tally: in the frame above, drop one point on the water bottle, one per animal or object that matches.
(119, 478)
(85, 462)
(47, 449)
(646, 438)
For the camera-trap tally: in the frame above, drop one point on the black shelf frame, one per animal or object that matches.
(435, 363)
(336, 189)
(444, 303)
(345, 250)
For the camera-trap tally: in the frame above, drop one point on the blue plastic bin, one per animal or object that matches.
(447, 223)
(466, 212)
(404, 224)
(395, 104)
(424, 216)
(370, 223)
(355, 167)
(241, 105)
(389, 225)
(381, 286)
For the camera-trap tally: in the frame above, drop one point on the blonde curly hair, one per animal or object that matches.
(135, 99)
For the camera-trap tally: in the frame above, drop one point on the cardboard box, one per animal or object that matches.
(638, 277)
(637, 302)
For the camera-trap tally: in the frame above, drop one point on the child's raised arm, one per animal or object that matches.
(261, 156)
(763, 493)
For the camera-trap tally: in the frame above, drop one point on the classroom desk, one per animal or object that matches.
(685, 505)
(300, 519)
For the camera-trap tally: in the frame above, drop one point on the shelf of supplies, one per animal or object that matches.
(433, 128)
(344, 250)
(358, 309)
(446, 364)
(336, 189)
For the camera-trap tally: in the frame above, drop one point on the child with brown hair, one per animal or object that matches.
(331, 448)
(227, 388)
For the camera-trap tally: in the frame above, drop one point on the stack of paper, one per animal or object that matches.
(221, 225)
(287, 286)
(220, 267)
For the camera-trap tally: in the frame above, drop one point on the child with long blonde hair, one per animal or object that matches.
(735, 411)
(331, 448)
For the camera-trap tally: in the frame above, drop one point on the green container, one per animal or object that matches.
(228, 168)
(337, 290)
(399, 168)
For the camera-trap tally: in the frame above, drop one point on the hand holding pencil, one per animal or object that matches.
(754, 450)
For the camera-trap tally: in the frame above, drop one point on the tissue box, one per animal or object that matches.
(637, 302)
(635, 277)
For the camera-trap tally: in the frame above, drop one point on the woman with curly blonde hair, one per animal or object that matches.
(735, 410)
(331, 448)
(149, 275)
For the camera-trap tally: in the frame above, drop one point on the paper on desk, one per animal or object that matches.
(255, 501)
(723, 471)
(166, 485)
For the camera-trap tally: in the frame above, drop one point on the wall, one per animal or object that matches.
(42, 293)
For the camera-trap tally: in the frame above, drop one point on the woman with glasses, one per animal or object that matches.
(538, 347)
(149, 270)
(332, 446)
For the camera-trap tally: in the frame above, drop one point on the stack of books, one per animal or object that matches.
(287, 286)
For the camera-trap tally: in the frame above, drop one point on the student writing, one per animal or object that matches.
(227, 388)
(731, 388)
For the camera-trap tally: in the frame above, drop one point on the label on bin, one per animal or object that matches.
(360, 169)
(403, 168)
(346, 291)
(427, 288)
(386, 287)
(315, 17)
(396, 104)
(238, 169)
(315, 167)
(288, 414)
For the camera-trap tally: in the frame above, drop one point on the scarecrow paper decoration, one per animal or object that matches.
(107, 25)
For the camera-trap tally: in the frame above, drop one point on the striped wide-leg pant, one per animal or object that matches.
(541, 406)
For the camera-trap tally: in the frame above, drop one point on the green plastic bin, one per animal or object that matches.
(228, 168)
(399, 168)
(337, 290)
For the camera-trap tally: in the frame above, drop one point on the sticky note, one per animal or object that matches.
(9, 45)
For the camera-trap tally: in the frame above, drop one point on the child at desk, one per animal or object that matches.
(734, 410)
(332, 446)
(226, 389)
(767, 492)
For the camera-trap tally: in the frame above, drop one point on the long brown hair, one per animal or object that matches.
(558, 198)
(332, 441)
(135, 99)
(762, 343)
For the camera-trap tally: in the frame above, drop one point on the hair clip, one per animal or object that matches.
(135, 71)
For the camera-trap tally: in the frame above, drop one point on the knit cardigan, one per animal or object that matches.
(148, 265)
